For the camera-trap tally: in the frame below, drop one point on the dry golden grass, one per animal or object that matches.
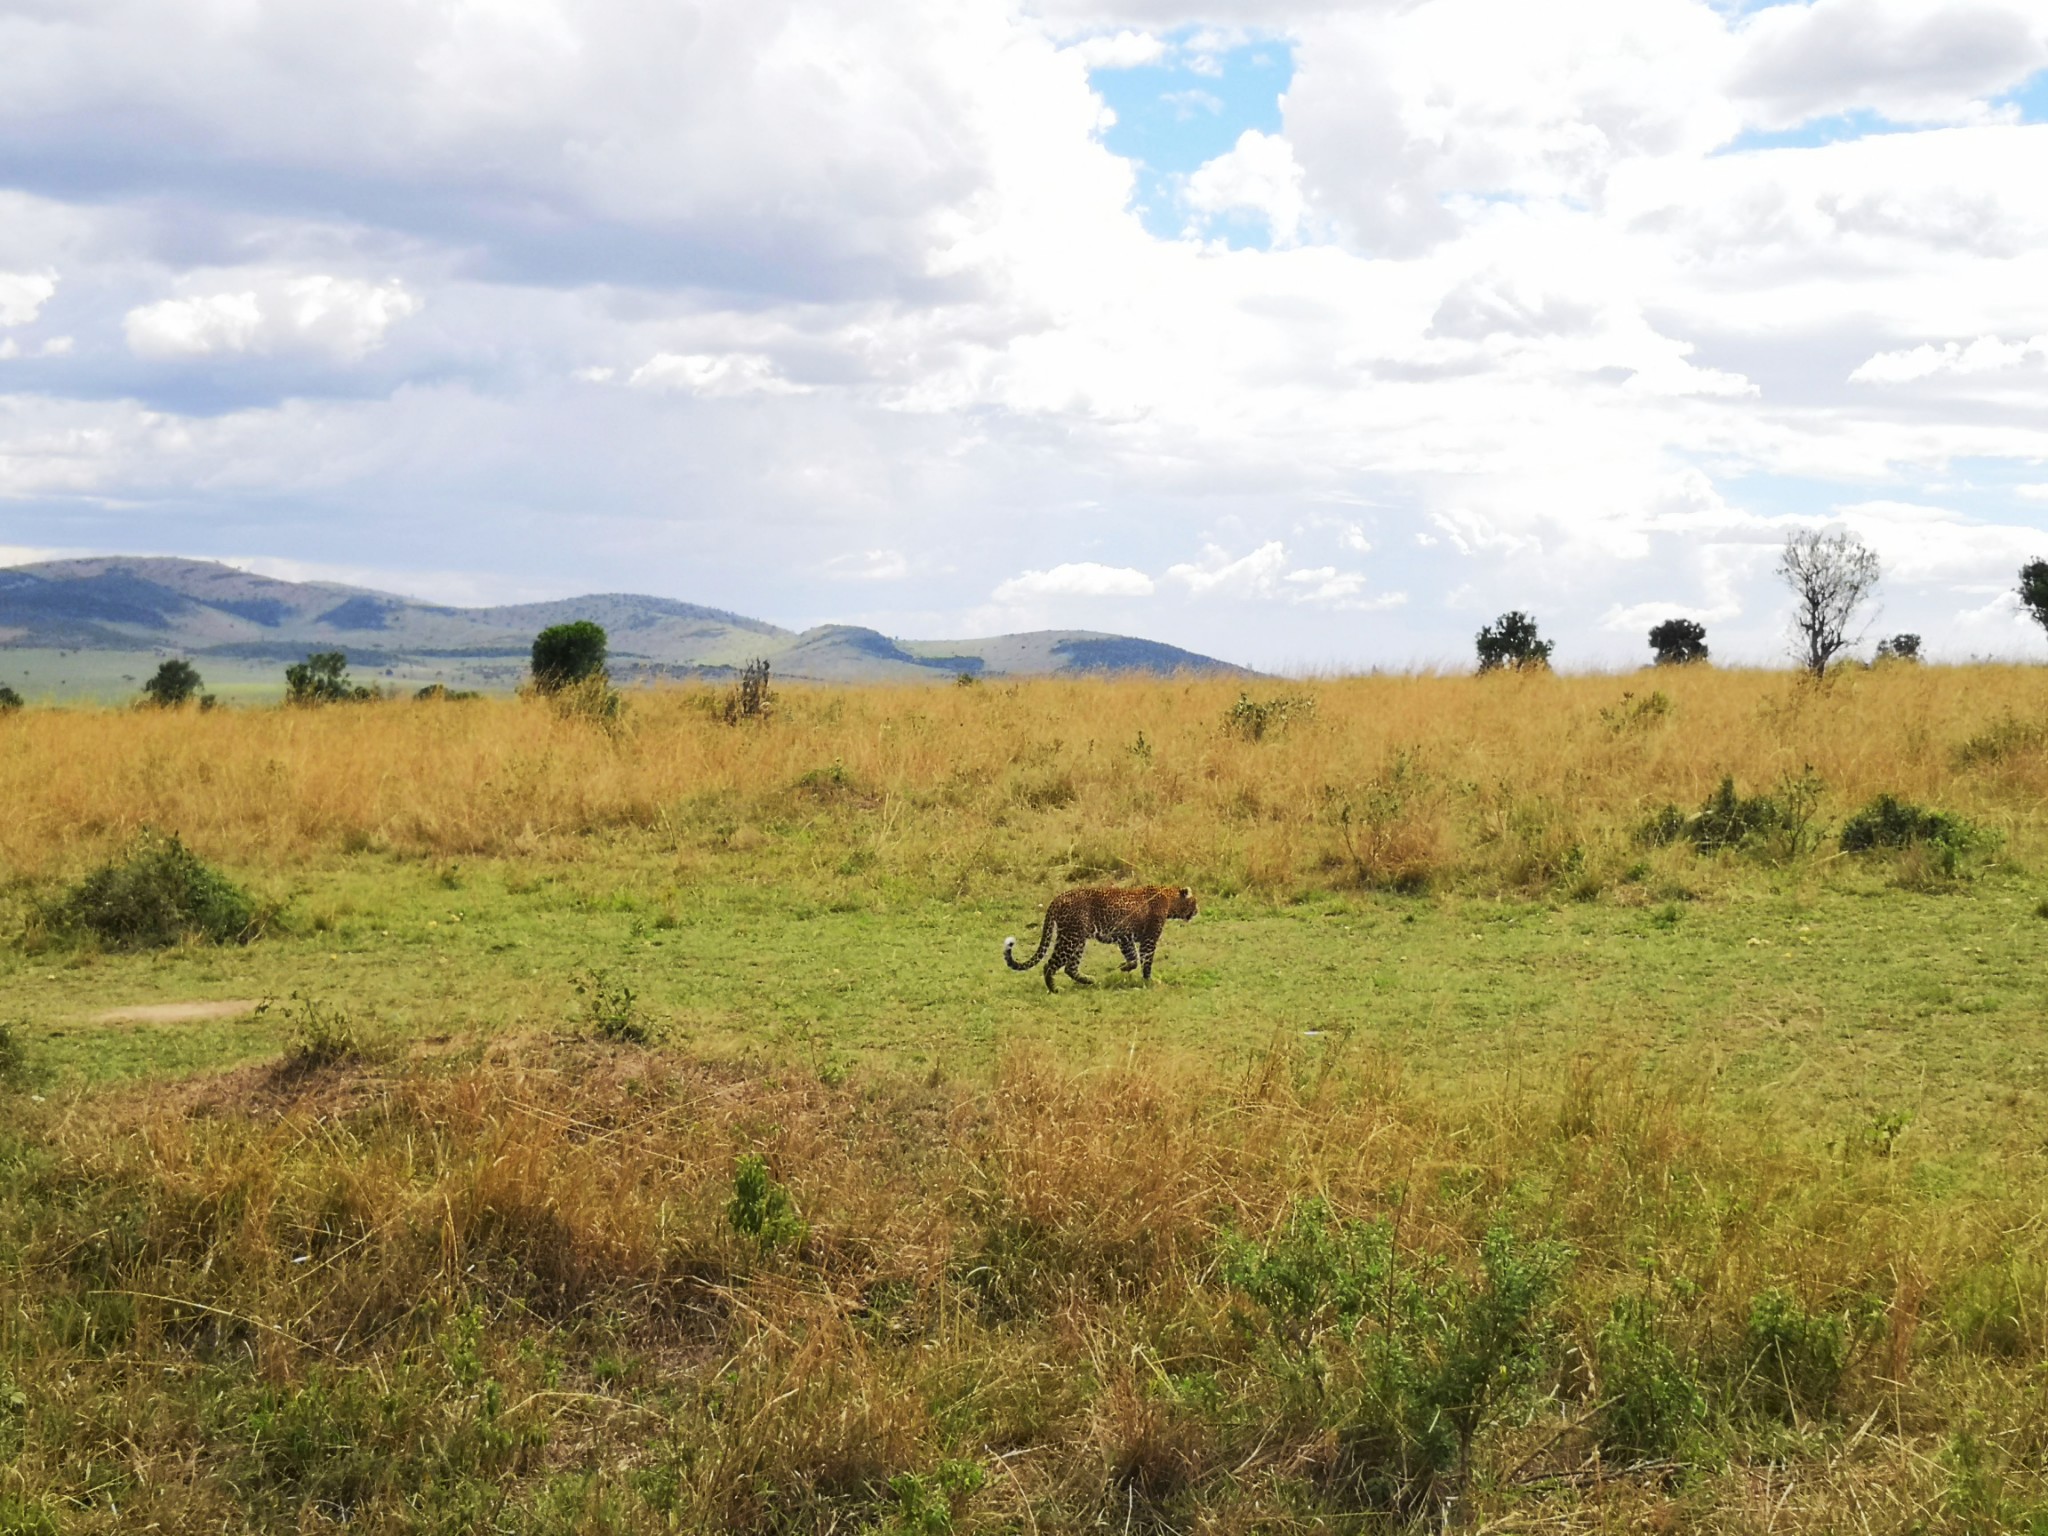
(1392, 780)
(290, 1299)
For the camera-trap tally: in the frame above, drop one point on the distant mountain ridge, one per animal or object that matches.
(205, 610)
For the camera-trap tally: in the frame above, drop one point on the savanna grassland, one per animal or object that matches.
(623, 1121)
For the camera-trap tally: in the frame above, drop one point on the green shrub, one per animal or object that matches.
(1409, 1356)
(1648, 1400)
(928, 1504)
(176, 682)
(1889, 822)
(760, 1207)
(1252, 719)
(564, 654)
(9, 700)
(441, 693)
(611, 1008)
(1793, 1359)
(1900, 648)
(322, 678)
(157, 894)
(1728, 820)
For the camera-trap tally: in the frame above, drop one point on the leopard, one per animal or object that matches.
(1130, 917)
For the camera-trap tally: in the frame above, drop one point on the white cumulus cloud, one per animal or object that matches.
(1120, 50)
(1257, 574)
(23, 295)
(1083, 578)
(1987, 354)
(713, 376)
(1258, 174)
(344, 317)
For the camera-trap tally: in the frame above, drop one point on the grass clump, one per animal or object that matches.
(1252, 719)
(13, 1056)
(157, 894)
(2005, 740)
(1648, 1401)
(1793, 1359)
(320, 1036)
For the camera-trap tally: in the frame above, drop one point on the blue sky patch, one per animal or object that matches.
(1836, 128)
(2031, 98)
(1189, 108)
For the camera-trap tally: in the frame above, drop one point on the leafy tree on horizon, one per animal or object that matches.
(176, 682)
(1511, 641)
(9, 700)
(1678, 642)
(566, 654)
(2034, 590)
(1899, 648)
(322, 678)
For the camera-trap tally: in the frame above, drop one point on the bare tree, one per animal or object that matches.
(1831, 575)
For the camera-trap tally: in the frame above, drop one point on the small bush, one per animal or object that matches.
(1252, 719)
(2005, 738)
(9, 700)
(1793, 1359)
(1648, 1401)
(566, 654)
(321, 1035)
(158, 894)
(322, 678)
(611, 1008)
(748, 698)
(175, 683)
(1634, 714)
(1728, 820)
(441, 693)
(1900, 648)
(1889, 822)
(760, 1208)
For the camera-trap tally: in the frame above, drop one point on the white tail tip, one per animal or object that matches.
(1009, 945)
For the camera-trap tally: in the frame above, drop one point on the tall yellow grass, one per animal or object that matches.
(1504, 779)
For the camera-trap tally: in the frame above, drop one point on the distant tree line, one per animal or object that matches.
(1832, 577)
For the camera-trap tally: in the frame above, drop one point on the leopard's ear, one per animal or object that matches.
(1186, 894)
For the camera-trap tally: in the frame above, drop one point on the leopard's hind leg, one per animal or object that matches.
(1130, 948)
(1066, 956)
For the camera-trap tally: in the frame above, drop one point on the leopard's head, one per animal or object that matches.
(1183, 904)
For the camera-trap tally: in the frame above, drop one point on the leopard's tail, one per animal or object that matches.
(1044, 943)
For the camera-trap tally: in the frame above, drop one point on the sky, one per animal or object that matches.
(1312, 335)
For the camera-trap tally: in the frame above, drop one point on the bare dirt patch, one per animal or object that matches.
(178, 1013)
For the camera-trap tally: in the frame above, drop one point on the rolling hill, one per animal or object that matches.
(95, 626)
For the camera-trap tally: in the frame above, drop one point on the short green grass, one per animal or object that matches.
(1812, 1004)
